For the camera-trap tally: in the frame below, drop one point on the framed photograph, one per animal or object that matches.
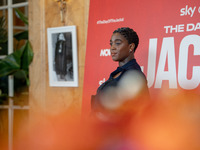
(62, 56)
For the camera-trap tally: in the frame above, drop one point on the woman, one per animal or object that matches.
(60, 61)
(127, 83)
(123, 96)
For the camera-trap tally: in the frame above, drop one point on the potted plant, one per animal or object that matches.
(16, 63)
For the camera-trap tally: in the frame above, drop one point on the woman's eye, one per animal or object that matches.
(117, 43)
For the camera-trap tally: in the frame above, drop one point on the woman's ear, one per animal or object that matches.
(132, 46)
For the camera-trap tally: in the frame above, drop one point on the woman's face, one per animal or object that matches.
(61, 37)
(119, 47)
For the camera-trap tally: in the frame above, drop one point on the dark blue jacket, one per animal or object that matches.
(113, 82)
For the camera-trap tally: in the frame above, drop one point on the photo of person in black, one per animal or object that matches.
(63, 65)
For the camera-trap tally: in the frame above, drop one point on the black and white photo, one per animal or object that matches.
(62, 53)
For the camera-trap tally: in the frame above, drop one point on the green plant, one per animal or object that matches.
(16, 63)
(3, 36)
(3, 31)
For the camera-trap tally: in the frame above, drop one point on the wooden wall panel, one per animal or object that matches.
(42, 15)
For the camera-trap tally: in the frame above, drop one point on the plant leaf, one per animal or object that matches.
(21, 36)
(27, 56)
(17, 61)
(4, 48)
(21, 16)
(3, 31)
(11, 63)
(7, 68)
(22, 75)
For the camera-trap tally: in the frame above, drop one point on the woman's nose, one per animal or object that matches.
(112, 46)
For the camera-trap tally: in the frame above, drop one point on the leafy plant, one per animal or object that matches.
(3, 31)
(3, 36)
(16, 63)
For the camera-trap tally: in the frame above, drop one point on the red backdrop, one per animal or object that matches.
(169, 48)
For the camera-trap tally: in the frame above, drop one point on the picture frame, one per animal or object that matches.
(62, 56)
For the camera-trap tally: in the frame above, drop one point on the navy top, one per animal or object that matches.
(131, 65)
(113, 82)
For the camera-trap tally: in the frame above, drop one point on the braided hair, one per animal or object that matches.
(129, 34)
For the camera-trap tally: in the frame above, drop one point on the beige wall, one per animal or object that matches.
(42, 15)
